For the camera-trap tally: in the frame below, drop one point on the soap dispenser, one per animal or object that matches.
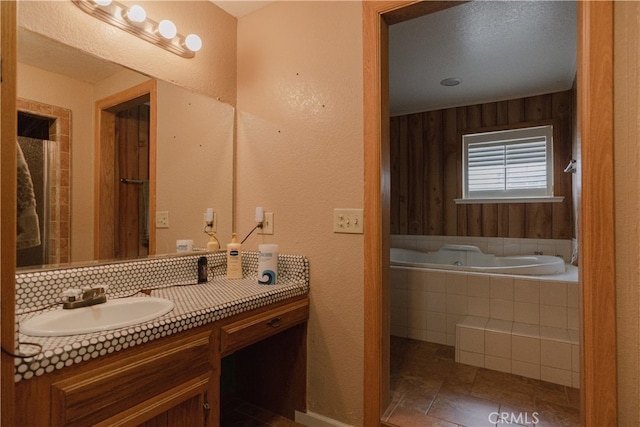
(234, 258)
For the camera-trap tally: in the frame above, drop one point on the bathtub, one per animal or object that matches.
(471, 258)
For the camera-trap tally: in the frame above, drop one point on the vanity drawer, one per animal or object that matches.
(90, 397)
(242, 333)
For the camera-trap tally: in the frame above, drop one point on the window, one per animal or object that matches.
(510, 164)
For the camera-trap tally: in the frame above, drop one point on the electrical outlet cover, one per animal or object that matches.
(162, 219)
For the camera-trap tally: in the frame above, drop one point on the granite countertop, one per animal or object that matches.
(195, 305)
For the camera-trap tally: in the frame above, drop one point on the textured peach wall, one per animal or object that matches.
(300, 155)
(195, 150)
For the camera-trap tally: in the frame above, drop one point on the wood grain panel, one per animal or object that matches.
(434, 173)
(422, 192)
(133, 163)
(516, 220)
(516, 111)
(450, 167)
(403, 178)
(8, 164)
(394, 168)
(503, 220)
(415, 175)
(598, 368)
(562, 108)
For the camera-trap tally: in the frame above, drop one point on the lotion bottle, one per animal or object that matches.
(234, 258)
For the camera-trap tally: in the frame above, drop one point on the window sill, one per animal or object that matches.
(556, 199)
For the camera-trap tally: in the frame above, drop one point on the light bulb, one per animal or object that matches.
(136, 14)
(193, 42)
(167, 29)
(102, 2)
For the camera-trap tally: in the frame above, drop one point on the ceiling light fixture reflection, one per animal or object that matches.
(451, 81)
(134, 20)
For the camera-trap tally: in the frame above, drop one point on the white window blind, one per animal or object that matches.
(508, 164)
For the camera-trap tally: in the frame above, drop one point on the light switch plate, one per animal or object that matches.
(267, 224)
(162, 219)
(348, 221)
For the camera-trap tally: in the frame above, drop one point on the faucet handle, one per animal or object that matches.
(71, 294)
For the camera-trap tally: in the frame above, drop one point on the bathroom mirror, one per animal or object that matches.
(194, 161)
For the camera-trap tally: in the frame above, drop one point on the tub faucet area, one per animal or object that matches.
(76, 298)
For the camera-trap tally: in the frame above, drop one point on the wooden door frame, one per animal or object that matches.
(596, 221)
(104, 162)
(8, 132)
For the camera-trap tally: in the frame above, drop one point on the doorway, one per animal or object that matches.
(43, 129)
(598, 338)
(125, 164)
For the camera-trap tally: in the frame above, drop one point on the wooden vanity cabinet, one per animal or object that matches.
(166, 379)
(175, 380)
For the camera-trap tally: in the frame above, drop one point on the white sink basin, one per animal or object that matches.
(114, 314)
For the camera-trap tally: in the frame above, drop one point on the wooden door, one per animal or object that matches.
(132, 186)
(125, 173)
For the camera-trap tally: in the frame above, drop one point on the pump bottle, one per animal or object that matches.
(234, 258)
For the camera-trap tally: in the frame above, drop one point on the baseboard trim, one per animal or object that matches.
(311, 419)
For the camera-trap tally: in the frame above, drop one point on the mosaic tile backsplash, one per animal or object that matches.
(168, 277)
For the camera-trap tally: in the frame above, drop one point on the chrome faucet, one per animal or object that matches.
(76, 298)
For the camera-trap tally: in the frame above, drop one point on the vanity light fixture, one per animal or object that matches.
(134, 20)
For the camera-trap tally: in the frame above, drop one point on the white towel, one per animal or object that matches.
(27, 221)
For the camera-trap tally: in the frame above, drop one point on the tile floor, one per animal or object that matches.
(428, 388)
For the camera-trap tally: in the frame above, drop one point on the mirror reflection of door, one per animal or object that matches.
(132, 168)
(126, 181)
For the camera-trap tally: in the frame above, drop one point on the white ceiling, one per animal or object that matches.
(239, 8)
(499, 49)
(39, 51)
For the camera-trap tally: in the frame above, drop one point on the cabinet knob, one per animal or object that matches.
(275, 322)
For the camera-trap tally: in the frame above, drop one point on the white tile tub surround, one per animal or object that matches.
(518, 311)
(428, 303)
(532, 351)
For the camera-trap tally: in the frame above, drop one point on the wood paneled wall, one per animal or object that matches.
(426, 171)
